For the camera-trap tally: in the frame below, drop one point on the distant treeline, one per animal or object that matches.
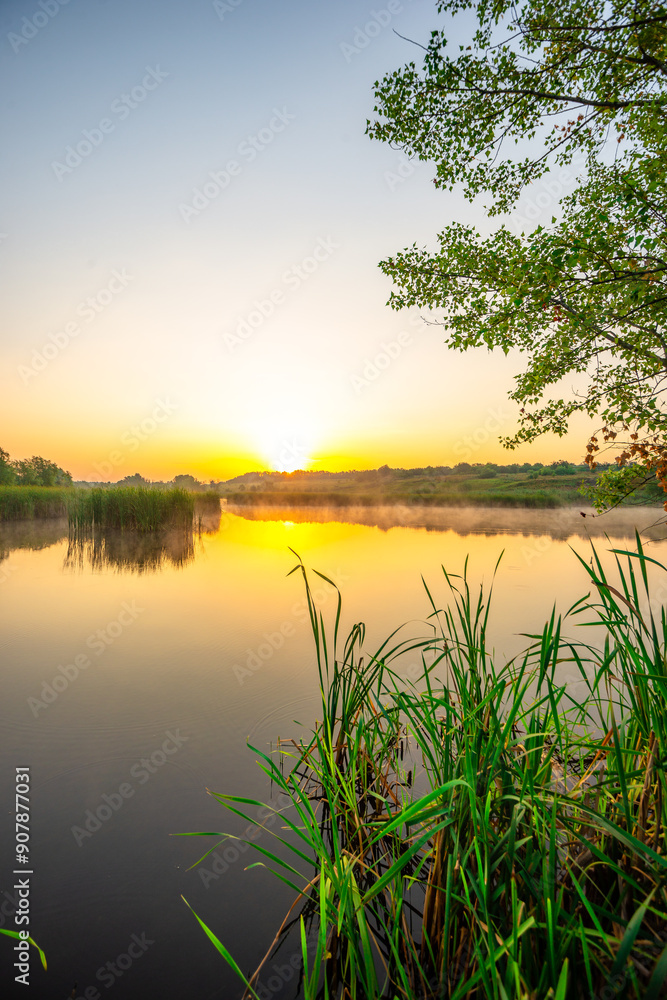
(465, 484)
(38, 471)
(137, 481)
(483, 469)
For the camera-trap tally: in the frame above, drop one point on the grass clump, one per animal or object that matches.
(480, 832)
(130, 507)
(22, 502)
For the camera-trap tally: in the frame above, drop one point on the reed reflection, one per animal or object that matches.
(128, 551)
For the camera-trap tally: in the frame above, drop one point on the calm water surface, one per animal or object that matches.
(134, 672)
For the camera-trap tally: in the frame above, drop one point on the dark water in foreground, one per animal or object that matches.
(135, 671)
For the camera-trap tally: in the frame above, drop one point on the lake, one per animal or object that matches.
(135, 671)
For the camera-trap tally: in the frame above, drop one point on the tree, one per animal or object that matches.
(37, 471)
(586, 294)
(136, 479)
(7, 473)
(187, 482)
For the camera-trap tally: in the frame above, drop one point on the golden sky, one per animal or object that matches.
(189, 240)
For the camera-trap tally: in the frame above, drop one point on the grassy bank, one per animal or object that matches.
(488, 485)
(308, 498)
(478, 831)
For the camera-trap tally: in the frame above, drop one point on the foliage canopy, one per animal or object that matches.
(35, 471)
(540, 87)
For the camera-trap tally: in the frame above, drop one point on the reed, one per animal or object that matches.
(22, 502)
(479, 832)
(129, 507)
(207, 501)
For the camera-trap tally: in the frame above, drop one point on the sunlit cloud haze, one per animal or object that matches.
(191, 220)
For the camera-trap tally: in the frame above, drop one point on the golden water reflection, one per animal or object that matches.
(566, 522)
(210, 637)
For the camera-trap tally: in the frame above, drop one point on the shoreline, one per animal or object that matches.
(539, 500)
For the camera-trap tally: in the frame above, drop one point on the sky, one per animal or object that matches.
(191, 219)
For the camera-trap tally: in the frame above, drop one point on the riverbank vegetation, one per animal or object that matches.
(128, 507)
(556, 485)
(119, 507)
(27, 502)
(148, 506)
(476, 829)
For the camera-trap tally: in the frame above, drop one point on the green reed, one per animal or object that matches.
(479, 832)
(130, 507)
(22, 502)
(209, 500)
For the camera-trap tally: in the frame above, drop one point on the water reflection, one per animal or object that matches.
(558, 523)
(126, 551)
(133, 552)
(220, 652)
(114, 549)
(31, 534)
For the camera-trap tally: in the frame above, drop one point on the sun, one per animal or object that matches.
(286, 442)
(286, 428)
